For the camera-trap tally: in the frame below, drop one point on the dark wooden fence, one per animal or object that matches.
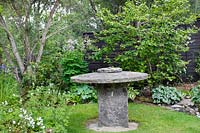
(190, 56)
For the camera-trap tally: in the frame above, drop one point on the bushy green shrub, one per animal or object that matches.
(44, 73)
(166, 95)
(55, 72)
(73, 64)
(196, 94)
(151, 37)
(46, 96)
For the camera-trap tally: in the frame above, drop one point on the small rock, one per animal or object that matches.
(198, 116)
(186, 102)
(177, 109)
(196, 109)
(192, 112)
(177, 106)
(187, 97)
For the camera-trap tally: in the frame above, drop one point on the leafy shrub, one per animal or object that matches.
(44, 73)
(82, 94)
(132, 93)
(196, 94)
(51, 104)
(14, 118)
(44, 111)
(46, 96)
(197, 67)
(166, 95)
(151, 37)
(73, 64)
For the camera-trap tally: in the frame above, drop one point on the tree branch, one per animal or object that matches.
(63, 28)
(10, 61)
(93, 6)
(26, 32)
(47, 26)
(13, 44)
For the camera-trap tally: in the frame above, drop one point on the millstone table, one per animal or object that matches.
(111, 85)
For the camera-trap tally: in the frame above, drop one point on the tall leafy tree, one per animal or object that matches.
(27, 27)
(151, 37)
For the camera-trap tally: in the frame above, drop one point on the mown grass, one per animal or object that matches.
(151, 119)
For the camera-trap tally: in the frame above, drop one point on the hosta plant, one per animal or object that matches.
(166, 95)
(196, 96)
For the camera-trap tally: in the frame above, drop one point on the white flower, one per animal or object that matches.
(20, 100)
(39, 119)
(40, 123)
(43, 127)
(4, 103)
(20, 115)
(14, 122)
(10, 110)
(9, 129)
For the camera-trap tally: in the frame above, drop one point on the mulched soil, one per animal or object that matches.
(186, 86)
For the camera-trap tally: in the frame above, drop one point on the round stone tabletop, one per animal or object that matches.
(105, 78)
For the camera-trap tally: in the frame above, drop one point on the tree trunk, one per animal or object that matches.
(13, 45)
(48, 24)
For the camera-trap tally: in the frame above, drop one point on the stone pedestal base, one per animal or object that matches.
(94, 126)
(113, 105)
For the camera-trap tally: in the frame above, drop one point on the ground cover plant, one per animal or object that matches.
(45, 110)
(151, 119)
(166, 95)
(196, 95)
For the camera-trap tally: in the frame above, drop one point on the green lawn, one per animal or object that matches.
(151, 119)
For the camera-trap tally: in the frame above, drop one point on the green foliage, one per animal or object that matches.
(82, 94)
(44, 111)
(1, 8)
(47, 72)
(8, 86)
(166, 95)
(196, 94)
(197, 67)
(46, 96)
(51, 104)
(55, 72)
(132, 93)
(14, 118)
(152, 37)
(186, 93)
(73, 64)
(195, 6)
